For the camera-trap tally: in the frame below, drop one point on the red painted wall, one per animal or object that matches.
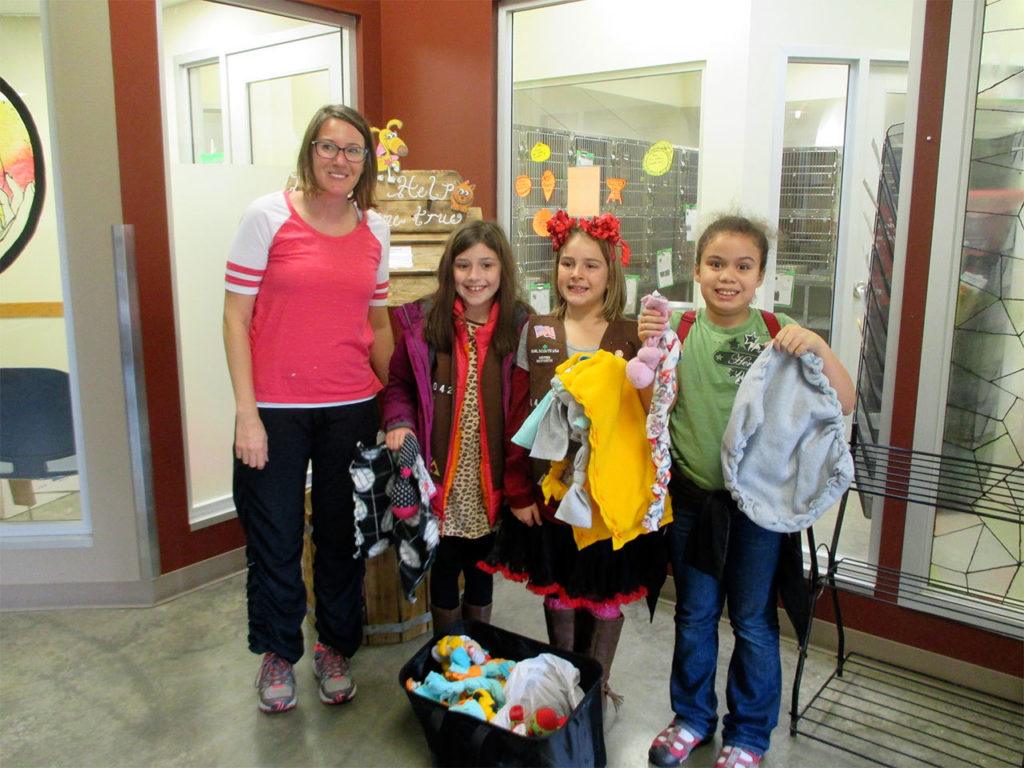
(439, 64)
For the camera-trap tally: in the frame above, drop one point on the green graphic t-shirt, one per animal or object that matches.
(714, 361)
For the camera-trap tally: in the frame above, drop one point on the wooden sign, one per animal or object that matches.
(422, 208)
(421, 201)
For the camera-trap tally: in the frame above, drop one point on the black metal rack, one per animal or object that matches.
(946, 483)
(653, 212)
(938, 723)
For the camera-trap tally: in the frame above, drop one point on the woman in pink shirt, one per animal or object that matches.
(308, 341)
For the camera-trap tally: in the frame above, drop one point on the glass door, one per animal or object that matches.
(246, 84)
(39, 467)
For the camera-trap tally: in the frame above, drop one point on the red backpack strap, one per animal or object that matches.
(772, 322)
(685, 324)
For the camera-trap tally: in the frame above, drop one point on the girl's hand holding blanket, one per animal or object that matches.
(395, 437)
(650, 323)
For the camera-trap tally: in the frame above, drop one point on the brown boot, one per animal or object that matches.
(602, 649)
(584, 631)
(561, 627)
(477, 612)
(444, 618)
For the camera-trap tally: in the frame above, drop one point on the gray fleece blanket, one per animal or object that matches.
(785, 457)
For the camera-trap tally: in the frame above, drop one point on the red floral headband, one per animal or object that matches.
(603, 227)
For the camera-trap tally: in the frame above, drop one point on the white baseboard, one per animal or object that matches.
(122, 594)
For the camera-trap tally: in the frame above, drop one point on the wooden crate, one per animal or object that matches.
(388, 617)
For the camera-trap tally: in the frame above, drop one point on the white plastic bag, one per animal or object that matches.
(543, 681)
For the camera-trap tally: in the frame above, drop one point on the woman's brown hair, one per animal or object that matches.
(363, 192)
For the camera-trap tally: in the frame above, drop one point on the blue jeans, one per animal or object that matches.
(754, 683)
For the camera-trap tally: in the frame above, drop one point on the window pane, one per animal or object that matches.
(812, 163)
(39, 480)
(612, 122)
(985, 400)
(279, 110)
(207, 113)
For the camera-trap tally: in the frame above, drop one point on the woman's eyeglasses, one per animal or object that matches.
(328, 150)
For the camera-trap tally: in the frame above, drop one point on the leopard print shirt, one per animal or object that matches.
(466, 512)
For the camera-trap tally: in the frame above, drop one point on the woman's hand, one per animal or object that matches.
(251, 441)
(528, 516)
(396, 437)
(795, 340)
(650, 324)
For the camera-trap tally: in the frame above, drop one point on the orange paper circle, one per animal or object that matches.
(540, 221)
(523, 185)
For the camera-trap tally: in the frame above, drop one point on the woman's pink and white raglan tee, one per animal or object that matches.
(310, 333)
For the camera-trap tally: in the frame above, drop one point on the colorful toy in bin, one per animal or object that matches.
(542, 722)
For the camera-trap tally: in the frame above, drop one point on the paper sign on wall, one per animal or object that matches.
(540, 221)
(540, 298)
(540, 152)
(690, 220)
(547, 184)
(615, 187)
(584, 198)
(664, 263)
(784, 287)
(400, 257)
(632, 289)
(658, 159)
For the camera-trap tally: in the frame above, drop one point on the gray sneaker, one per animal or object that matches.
(275, 684)
(332, 670)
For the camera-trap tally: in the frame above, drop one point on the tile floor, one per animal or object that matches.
(173, 686)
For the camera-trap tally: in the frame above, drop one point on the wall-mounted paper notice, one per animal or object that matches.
(540, 298)
(400, 257)
(784, 287)
(664, 262)
(691, 223)
(632, 288)
(584, 188)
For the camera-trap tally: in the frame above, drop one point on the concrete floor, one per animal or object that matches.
(173, 685)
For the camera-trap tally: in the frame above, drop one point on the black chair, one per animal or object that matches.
(37, 435)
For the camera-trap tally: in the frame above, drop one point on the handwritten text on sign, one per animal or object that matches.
(418, 188)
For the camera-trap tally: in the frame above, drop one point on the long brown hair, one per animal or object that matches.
(615, 293)
(363, 192)
(437, 327)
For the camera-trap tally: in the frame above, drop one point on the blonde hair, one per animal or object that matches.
(615, 292)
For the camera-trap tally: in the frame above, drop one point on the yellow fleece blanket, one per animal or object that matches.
(620, 472)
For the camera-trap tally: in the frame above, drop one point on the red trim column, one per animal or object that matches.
(920, 219)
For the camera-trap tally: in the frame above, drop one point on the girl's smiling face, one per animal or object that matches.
(477, 272)
(729, 273)
(582, 273)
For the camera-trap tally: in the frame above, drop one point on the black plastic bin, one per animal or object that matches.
(457, 739)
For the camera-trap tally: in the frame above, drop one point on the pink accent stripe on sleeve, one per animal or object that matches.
(245, 270)
(239, 281)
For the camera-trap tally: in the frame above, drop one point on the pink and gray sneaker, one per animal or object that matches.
(332, 670)
(275, 684)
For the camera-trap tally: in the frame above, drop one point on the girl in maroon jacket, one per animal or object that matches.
(449, 384)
